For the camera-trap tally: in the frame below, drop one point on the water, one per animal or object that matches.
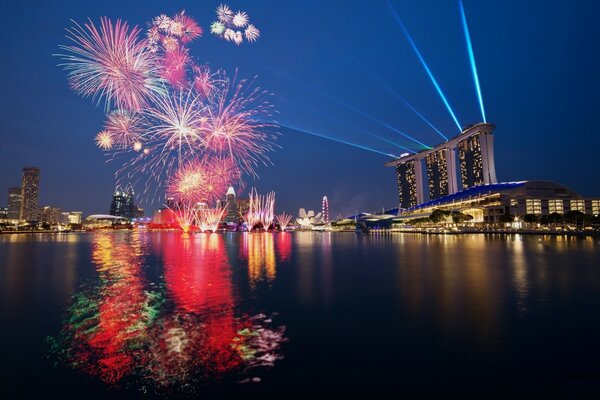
(150, 314)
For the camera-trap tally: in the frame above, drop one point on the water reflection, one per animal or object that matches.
(184, 330)
(259, 249)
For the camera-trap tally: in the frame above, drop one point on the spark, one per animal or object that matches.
(112, 63)
(240, 19)
(104, 140)
(284, 220)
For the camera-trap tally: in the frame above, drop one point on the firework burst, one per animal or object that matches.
(260, 210)
(111, 63)
(125, 128)
(209, 218)
(284, 220)
(104, 140)
(230, 26)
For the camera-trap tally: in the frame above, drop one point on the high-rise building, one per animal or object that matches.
(410, 183)
(231, 212)
(50, 215)
(3, 213)
(476, 155)
(325, 210)
(122, 204)
(437, 173)
(243, 205)
(139, 212)
(14, 202)
(476, 158)
(29, 194)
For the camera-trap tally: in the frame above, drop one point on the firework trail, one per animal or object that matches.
(209, 218)
(172, 123)
(112, 63)
(260, 210)
(233, 27)
(284, 220)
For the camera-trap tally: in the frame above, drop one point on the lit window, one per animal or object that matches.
(578, 205)
(555, 206)
(596, 207)
(533, 206)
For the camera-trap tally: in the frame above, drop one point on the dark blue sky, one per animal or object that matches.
(538, 64)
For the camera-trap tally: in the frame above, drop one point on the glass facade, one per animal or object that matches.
(555, 206)
(596, 207)
(29, 194)
(471, 161)
(437, 173)
(578, 205)
(407, 184)
(533, 206)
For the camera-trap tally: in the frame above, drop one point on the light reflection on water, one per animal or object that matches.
(126, 330)
(161, 311)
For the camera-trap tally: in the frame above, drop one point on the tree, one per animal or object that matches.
(507, 218)
(458, 217)
(530, 218)
(555, 218)
(439, 215)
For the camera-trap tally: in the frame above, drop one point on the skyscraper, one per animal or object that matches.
(476, 155)
(122, 204)
(409, 175)
(50, 215)
(29, 194)
(14, 202)
(231, 213)
(437, 173)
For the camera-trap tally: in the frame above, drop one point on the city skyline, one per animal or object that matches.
(526, 143)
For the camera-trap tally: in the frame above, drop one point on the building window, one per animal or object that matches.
(513, 202)
(555, 206)
(578, 205)
(533, 206)
(596, 207)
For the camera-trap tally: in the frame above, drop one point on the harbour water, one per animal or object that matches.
(134, 314)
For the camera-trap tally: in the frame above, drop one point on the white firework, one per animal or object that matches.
(224, 13)
(163, 22)
(240, 19)
(252, 33)
(217, 28)
(238, 38)
(229, 35)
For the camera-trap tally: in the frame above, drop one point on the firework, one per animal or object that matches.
(260, 210)
(209, 218)
(228, 26)
(234, 124)
(104, 140)
(110, 62)
(125, 128)
(171, 121)
(284, 220)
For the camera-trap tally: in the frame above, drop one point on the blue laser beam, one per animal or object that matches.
(389, 88)
(358, 146)
(348, 106)
(471, 58)
(433, 80)
(358, 128)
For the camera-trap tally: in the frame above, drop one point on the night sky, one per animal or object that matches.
(538, 64)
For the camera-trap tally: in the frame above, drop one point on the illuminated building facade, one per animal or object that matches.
(243, 205)
(474, 146)
(476, 156)
(122, 204)
(3, 213)
(231, 213)
(30, 194)
(410, 183)
(50, 215)
(14, 203)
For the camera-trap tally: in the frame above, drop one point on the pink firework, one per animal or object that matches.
(125, 128)
(175, 67)
(209, 218)
(189, 183)
(284, 220)
(260, 210)
(111, 62)
(235, 126)
(190, 28)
